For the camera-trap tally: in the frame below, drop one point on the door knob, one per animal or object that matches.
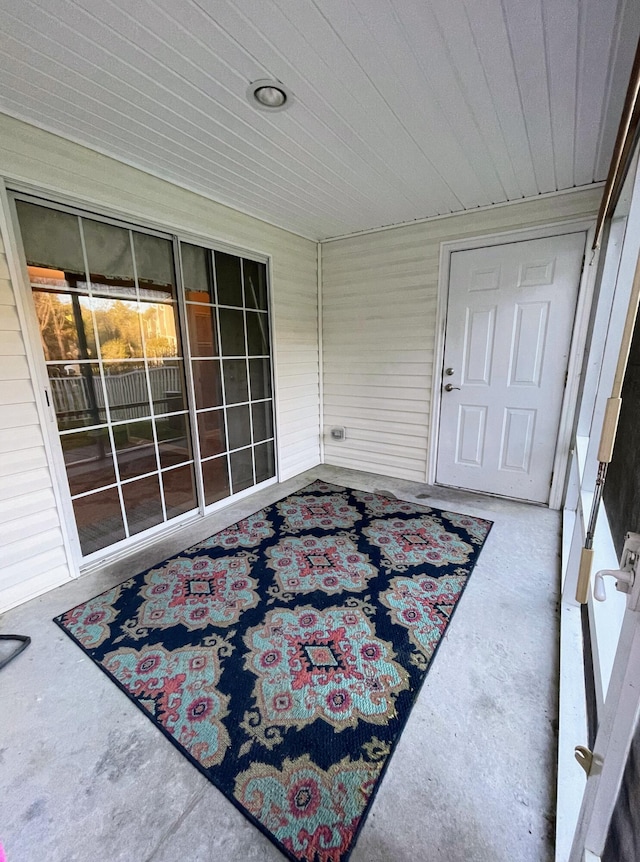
(450, 388)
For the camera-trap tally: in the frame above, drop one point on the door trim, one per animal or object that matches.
(578, 341)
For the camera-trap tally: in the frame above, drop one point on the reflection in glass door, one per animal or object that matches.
(227, 315)
(109, 303)
(105, 297)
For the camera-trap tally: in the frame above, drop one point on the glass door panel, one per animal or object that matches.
(227, 306)
(241, 470)
(236, 385)
(260, 377)
(107, 303)
(89, 460)
(109, 259)
(228, 279)
(196, 273)
(142, 503)
(179, 490)
(105, 299)
(262, 421)
(264, 455)
(99, 519)
(211, 433)
(51, 241)
(255, 284)
(207, 383)
(215, 475)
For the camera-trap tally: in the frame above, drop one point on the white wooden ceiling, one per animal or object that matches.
(403, 109)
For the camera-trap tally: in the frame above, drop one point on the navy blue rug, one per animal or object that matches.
(282, 656)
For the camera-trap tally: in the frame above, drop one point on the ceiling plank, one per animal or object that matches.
(561, 40)
(597, 32)
(492, 41)
(524, 24)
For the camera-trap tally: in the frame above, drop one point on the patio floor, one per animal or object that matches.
(84, 775)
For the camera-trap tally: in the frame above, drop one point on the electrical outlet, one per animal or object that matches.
(338, 433)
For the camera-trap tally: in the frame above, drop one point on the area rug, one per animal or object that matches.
(282, 656)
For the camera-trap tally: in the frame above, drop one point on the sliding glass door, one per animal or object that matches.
(226, 307)
(150, 428)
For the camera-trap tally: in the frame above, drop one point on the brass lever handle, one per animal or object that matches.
(450, 388)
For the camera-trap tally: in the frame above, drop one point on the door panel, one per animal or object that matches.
(479, 345)
(470, 442)
(509, 326)
(517, 439)
(529, 342)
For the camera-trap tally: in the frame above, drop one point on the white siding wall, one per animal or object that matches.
(379, 321)
(32, 556)
(28, 514)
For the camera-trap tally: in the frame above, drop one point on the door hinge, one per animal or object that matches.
(551, 479)
(566, 378)
(46, 395)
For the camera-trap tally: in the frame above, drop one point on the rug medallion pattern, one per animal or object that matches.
(283, 655)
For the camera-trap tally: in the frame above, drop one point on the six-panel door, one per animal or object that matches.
(509, 325)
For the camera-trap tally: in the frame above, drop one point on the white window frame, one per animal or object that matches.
(77, 563)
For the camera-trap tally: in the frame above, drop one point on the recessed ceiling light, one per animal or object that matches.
(268, 95)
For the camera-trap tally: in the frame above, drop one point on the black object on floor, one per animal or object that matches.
(24, 643)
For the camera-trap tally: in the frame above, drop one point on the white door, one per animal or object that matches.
(509, 324)
(617, 737)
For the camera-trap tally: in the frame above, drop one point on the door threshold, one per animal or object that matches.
(491, 494)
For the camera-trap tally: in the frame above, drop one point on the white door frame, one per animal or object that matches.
(613, 742)
(77, 563)
(578, 340)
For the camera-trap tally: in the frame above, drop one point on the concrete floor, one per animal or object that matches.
(84, 775)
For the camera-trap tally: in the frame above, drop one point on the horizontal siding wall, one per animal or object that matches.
(379, 330)
(32, 555)
(46, 161)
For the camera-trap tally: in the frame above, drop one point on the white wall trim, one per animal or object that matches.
(35, 363)
(320, 355)
(471, 211)
(277, 430)
(555, 228)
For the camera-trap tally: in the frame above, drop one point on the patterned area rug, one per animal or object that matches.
(283, 655)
